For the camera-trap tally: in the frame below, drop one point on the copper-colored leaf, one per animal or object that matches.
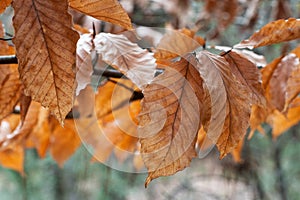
(136, 63)
(281, 123)
(247, 73)
(10, 85)
(237, 101)
(293, 86)
(106, 10)
(13, 158)
(46, 44)
(84, 61)
(64, 141)
(177, 43)
(274, 32)
(278, 82)
(169, 120)
(4, 4)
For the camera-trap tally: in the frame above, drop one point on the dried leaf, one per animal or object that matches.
(39, 137)
(282, 123)
(136, 63)
(4, 4)
(278, 82)
(237, 101)
(64, 141)
(13, 158)
(106, 10)
(177, 43)
(272, 33)
(169, 120)
(46, 44)
(10, 85)
(25, 102)
(84, 61)
(248, 74)
(293, 87)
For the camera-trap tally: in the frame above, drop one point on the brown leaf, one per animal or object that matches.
(84, 61)
(236, 105)
(248, 74)
(177, 43)
(106, 10)
(13, 158)
(4, 4)
(64, 141)
(136, 63)
(169, 120)
(278, 82)
(25, 102)
(46, 44)
(272, 33)
(10, 85)
(282, 123)
(39, 137)
(293, 86)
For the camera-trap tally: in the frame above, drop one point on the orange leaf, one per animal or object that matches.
(13, 158)
(278, 82)
(106, 10)
(272, 33)
(64, 141)
(232, 110)
(177, 43)
(10, 85)
(248, 74)
(46, 44)
(169, 120)
(4, 4)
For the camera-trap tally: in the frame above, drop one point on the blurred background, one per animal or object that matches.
(269, 168)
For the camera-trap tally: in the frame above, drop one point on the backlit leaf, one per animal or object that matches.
(84, 61)
(46, 44)
(136, 63)
(169, 120)
(272, 33)
(4, 4)
(238, 102)
(106, 10)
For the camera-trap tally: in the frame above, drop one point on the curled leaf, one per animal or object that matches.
(272, 33)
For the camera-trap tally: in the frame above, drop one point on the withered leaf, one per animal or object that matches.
(4, 4)
(106, 10)
(272, 33)
(235, 121)
(84, 61)
(10, 85)
(136, 63)
(169, 120)
(293, 86)
(45, 44)
(248, 74)
(278, 83)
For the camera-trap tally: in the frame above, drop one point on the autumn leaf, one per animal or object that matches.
(278, 82)
(272, 33)
(106, 10)
(136, 63)
(10, 85)
(248, 74)
(45, 44)
(169, 120)
(84, 61)
(177, 43)
(235, 121)
(64, 141)
(293, 86)
(4, 4)
(13, 158)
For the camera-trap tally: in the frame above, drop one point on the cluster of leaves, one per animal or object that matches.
(201, 98)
